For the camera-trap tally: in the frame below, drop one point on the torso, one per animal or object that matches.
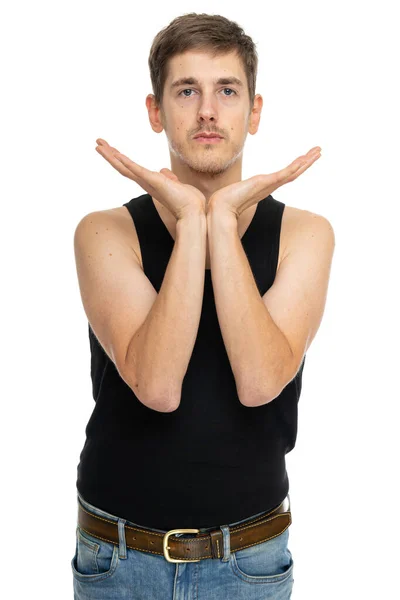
(290, 218)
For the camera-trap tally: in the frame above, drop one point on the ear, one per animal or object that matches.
(255, 115)
(155, 116)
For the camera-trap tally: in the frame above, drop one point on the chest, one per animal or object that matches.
(290, 217)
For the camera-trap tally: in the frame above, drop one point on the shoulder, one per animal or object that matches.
(117, 220)
(115, 217)
(298, 225)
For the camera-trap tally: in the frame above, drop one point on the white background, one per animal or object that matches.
(76, 71)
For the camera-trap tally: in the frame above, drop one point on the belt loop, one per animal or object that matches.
(121, 538)
(226, 542)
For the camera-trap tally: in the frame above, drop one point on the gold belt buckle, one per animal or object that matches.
(166, 548)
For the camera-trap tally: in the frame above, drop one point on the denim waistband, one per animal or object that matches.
(111, 517)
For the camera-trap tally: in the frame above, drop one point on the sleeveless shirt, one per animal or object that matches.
(212, 460)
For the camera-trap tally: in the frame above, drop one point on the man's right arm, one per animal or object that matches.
(149, 336)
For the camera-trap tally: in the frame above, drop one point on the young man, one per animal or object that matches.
(202, 295)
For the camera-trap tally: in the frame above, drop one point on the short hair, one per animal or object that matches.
(192, 31)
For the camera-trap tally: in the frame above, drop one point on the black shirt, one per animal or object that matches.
(213, 460)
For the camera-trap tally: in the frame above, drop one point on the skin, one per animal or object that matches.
(205, 176)
(207, 107)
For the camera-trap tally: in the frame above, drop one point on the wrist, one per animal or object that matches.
(192, 218)
(191, 211)
(221, 220)
(221, 212)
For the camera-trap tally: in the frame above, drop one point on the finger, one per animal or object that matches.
(112, 155)
(304, 160)
(136, 169)
(148, 180)
(106, 145)
(115, 162)
(168, 173)
(314, 150)
(129, 165)
(297, 167)
(305, 163)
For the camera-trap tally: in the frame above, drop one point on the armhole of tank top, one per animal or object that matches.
(97, 351)
(135, 233)
(108, 360)
(280, 207)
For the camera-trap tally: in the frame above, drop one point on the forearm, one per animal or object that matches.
(164, 343)
(256, 347)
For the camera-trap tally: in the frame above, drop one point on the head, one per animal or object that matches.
(203, 71)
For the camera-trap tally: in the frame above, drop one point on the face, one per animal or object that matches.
(195, 101)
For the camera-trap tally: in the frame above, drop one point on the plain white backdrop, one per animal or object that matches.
(328, 74)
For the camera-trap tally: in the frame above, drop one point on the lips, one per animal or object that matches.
(208, 136)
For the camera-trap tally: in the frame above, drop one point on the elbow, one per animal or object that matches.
(257, 394)
(162, 402)
(256, 397)
(163, 405)
(167, 399)
(252, 400)
(154, 399)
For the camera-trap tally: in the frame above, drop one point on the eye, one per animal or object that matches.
(186, 90)
(230, 90)
(191, 90)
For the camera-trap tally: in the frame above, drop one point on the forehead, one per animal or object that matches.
(203, 66)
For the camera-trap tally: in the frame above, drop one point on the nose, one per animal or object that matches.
(207, 110)
(204, 117)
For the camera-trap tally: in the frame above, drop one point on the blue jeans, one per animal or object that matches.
(106, 571)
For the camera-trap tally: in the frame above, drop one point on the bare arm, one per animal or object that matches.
(267, 336)
(159, 352)
(151, 335)
(148, 336)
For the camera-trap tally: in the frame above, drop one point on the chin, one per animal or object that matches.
(203, 160)
(209, 167)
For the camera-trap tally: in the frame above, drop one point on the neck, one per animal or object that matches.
(207, 183)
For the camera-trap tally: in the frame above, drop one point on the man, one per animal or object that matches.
(202, 295)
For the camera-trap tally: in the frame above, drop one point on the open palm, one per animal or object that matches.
(239, 196)
(179, 198)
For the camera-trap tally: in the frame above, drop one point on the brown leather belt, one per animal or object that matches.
(204, 545)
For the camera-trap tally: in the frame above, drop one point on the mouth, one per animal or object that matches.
(212, 139)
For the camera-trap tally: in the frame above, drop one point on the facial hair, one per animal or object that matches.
(205, 160)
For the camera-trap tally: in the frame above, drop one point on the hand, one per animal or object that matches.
(179, 198)
(239, 196)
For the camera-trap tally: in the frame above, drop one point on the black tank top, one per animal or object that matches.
(212, 461)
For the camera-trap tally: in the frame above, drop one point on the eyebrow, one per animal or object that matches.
(194, 81)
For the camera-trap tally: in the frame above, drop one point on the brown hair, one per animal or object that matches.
(211, 33)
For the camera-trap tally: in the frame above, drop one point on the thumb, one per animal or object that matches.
(168, 173)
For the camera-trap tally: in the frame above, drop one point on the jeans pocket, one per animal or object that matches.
(268, 562)
(94, 559)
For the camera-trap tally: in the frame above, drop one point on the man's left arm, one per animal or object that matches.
(267, 336)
